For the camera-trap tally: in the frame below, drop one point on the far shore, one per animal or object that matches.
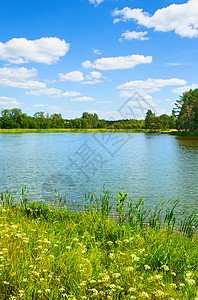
(73, 130)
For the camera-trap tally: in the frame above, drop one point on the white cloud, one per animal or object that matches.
(134, 35)
(96, 2)
(50, 108)
(52, 92)
(97, 51)
(46, 50)
(104, 102)
(174, 64)
(181, 18)
(151, 83)
(82, 99)
(74, 76)
(117, 63)
(93, 78)
(20, 78)
(9, 102)
(184, 89)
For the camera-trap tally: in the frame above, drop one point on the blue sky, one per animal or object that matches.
(117, 58)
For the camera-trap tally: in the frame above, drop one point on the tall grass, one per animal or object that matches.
(110, 251)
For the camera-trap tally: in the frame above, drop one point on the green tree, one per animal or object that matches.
(187, 111)
(149, 120)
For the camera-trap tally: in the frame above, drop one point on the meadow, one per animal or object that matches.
(100, 252)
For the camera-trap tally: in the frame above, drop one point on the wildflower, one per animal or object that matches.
(141, 250)
(129, 269)
(106, 278)
(83, 283)
(39, 292)
(165, 267)
(189, 274)
(44, 270)
(135, 257)
(75, 240)
(111, 255)
(145, 295)
(41, 279)
(158, 277)
(6, 282)
(147, 267)
(48, 291)
(182, 284)
(173, 273)
(46, 241)
(24, 280)
(95, 292)
(67, 247)
(190, 281)
(131, 289)
(173, 285)
(56, 245)
(126, 241)
(61, 290)
(159, 293)
(110, 243)
(52, 256)
(116, 275)
(92, 281)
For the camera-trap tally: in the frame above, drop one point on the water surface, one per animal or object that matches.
(156, 167)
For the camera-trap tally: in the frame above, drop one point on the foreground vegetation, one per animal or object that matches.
(48, 253)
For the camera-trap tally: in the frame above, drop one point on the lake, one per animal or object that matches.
(156, 167)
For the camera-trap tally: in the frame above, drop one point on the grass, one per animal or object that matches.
(21, 130)
(50, 253)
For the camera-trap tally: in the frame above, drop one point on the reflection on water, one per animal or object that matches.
(156, 167)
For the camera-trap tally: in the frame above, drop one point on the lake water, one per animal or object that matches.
(156, 167)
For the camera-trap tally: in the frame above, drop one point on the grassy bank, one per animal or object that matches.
(48, 253)
(20, 130)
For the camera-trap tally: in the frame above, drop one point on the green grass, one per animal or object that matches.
(48, 253)
(20, 130)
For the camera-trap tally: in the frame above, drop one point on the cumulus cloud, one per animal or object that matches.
(181, 18)
(183, 89)
(82, 99)
(9, 102)
(52, 92)
(151, 83)
(20, 78)
(46, 50)
(78, 76)
(96, 2)
(117, 63)
(134, 35)
(93, 78)
(74, 76)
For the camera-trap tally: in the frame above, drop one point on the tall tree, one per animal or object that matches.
(187, 110)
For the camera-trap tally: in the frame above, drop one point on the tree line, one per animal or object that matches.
(184, 117)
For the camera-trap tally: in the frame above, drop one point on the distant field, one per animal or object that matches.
(82, 130)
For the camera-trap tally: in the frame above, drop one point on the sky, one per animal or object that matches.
(116, 58)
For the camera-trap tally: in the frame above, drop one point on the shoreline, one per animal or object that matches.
(173, 132)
